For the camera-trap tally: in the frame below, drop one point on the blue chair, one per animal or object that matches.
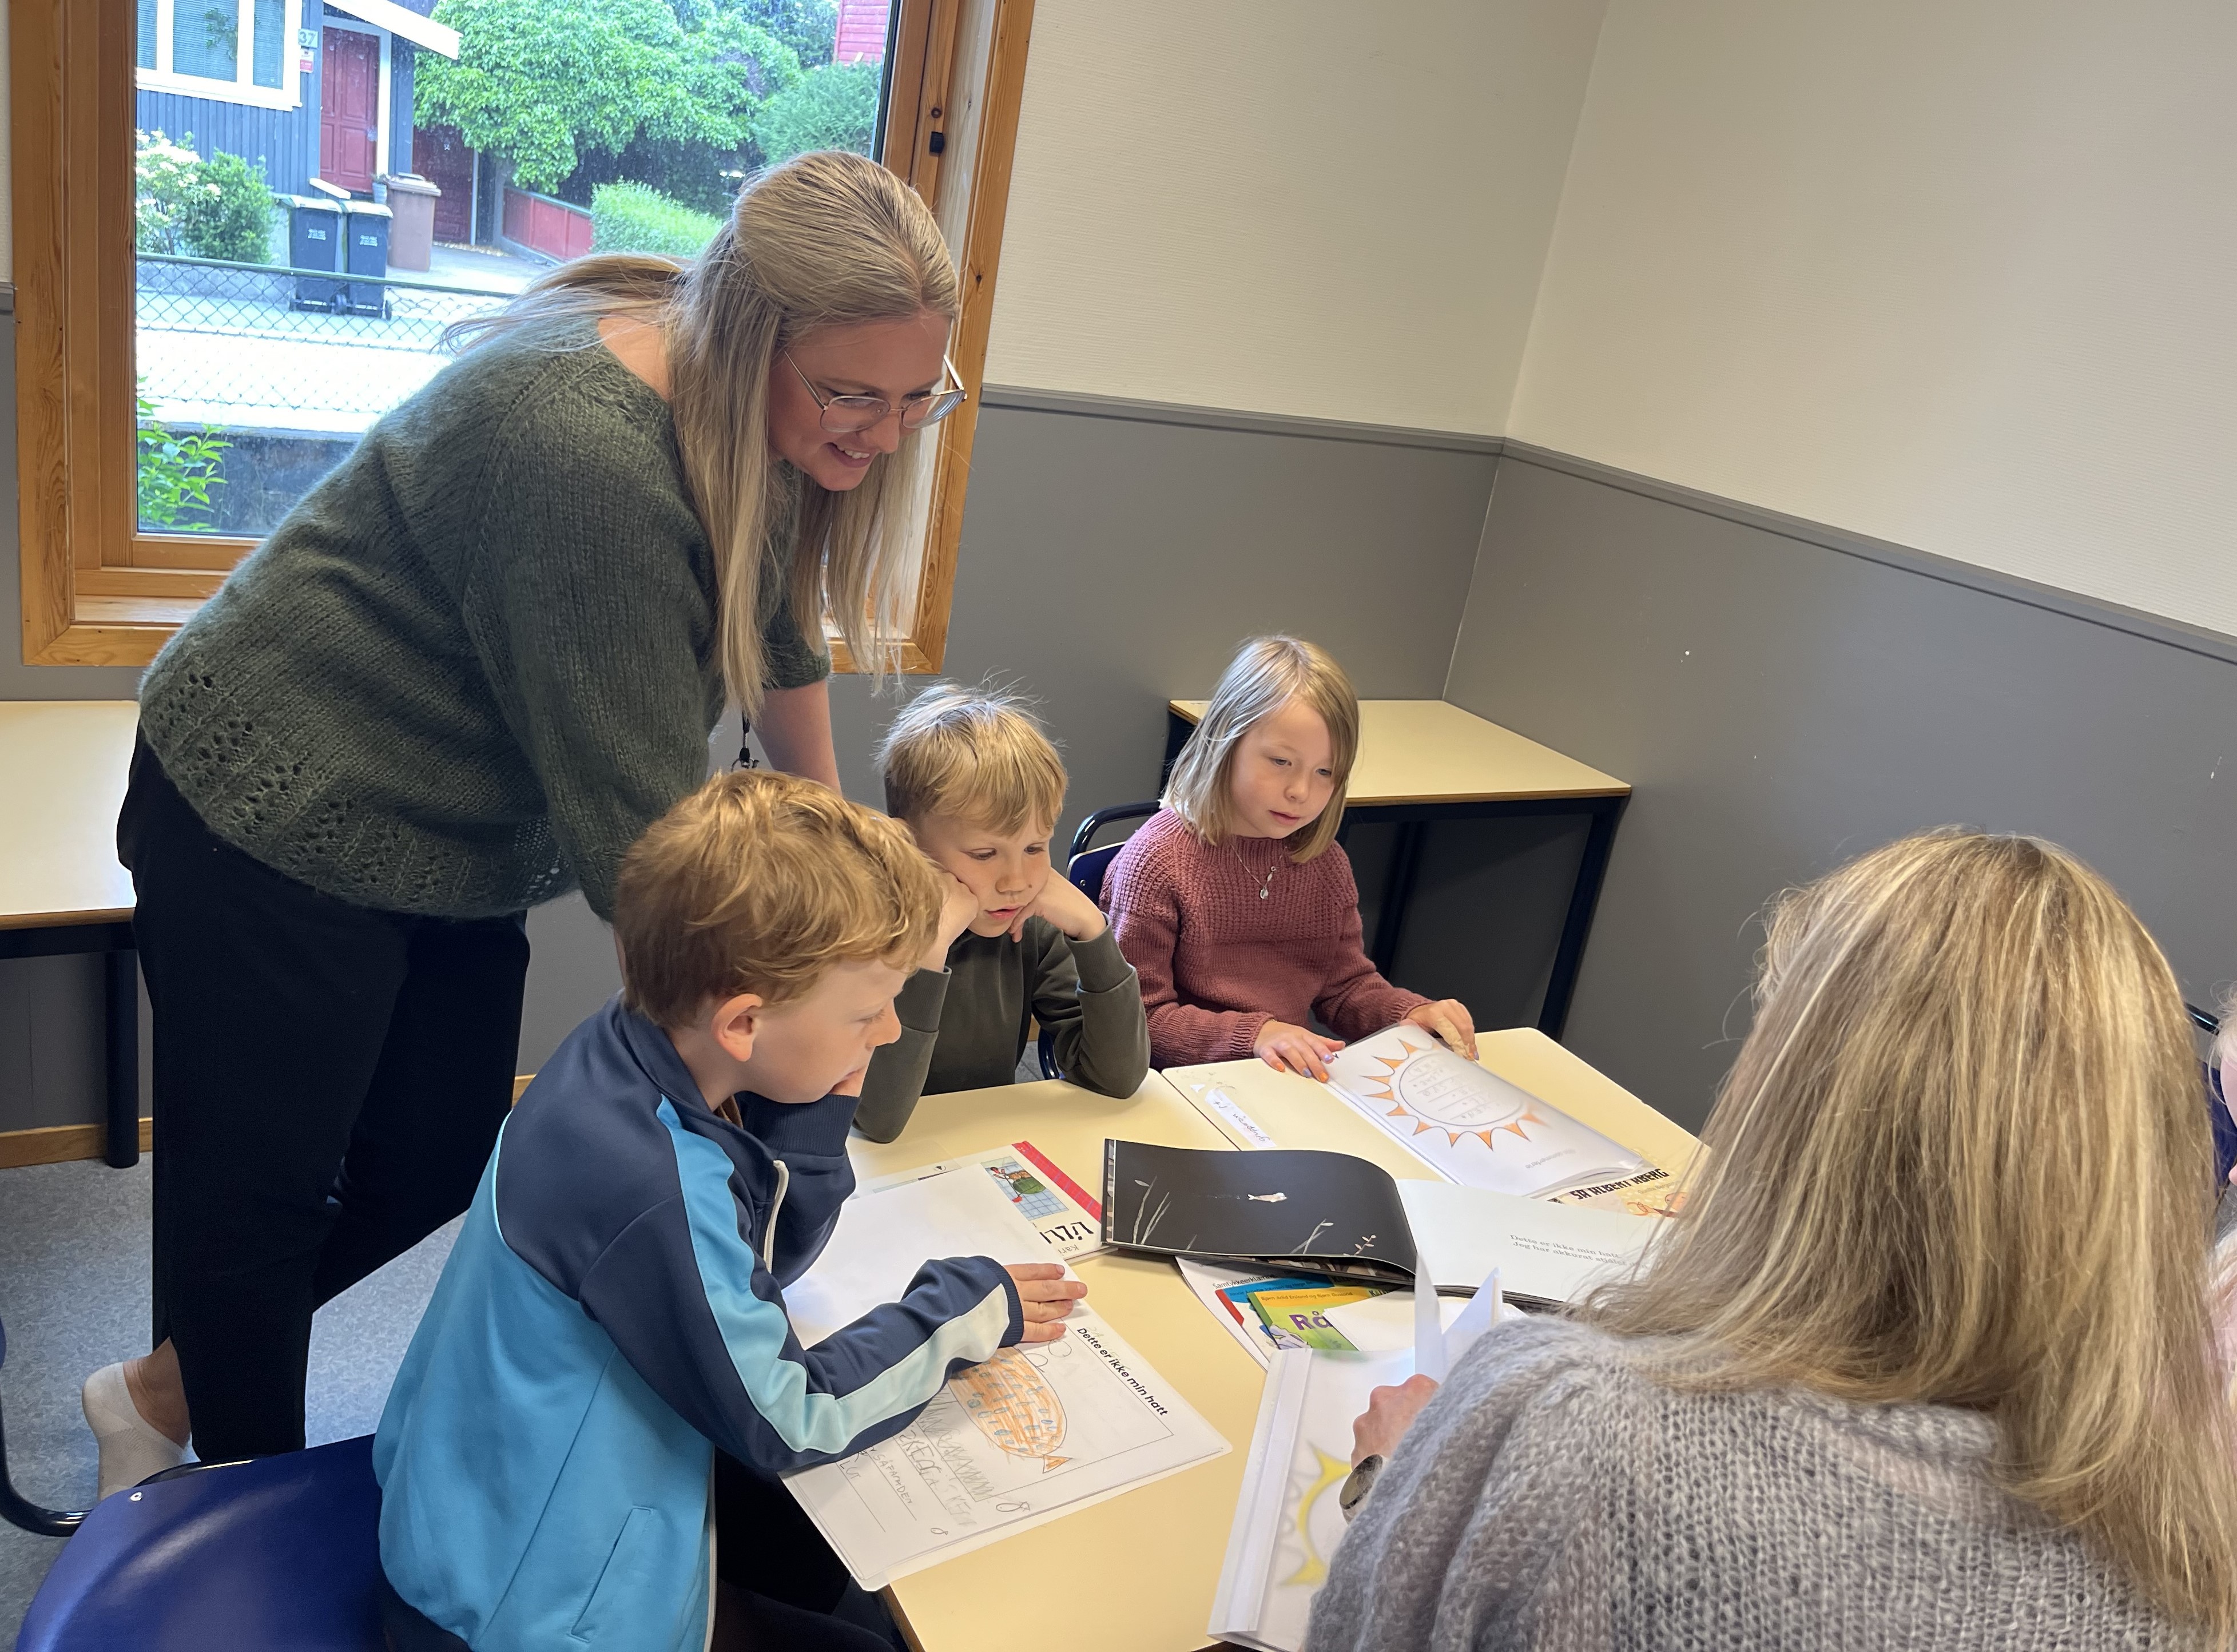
(1085, 867)
(280, 1555)
(15, 1508)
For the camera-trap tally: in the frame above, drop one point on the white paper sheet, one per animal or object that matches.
(1034, 1433)
(883, 1238)
(1547, 1252)
(1025, 1177)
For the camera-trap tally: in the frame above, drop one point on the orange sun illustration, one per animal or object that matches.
(1423, 1121)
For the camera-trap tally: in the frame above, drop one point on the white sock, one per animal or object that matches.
(132, 1447)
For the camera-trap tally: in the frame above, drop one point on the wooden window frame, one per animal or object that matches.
(96, 591)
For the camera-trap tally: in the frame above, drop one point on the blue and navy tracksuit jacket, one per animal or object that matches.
(611, 1313)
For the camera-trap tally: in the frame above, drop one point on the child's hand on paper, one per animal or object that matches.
(1389, 1413)
(1449, 1020)
(1295, 1049)
(1061, 903)
(1046, 1296)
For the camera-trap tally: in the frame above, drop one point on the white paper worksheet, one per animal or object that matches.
(1033, 1433)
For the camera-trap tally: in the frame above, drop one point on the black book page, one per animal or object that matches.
(1329, 1211)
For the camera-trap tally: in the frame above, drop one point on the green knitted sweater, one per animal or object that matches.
(479, 658)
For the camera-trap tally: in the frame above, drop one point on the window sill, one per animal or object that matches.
(220, 92)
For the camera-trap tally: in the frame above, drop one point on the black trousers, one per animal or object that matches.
(329, 1082)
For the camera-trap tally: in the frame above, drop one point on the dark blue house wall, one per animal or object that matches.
(284, 142)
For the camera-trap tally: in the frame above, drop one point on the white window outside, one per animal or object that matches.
(234, 51)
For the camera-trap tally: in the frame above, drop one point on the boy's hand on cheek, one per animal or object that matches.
(1061, 903)
(1045, 1296)
(959, 910)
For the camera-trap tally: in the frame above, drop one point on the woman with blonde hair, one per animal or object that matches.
(457, 680)
(1926, 1363)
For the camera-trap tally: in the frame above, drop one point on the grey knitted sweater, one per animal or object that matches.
(477, 659)
(1551, 1498)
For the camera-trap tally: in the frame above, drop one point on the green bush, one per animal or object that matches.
(220, 207)
(164, 175)
(832, 107)
(176, 473)
(229, 214)
(637, 218)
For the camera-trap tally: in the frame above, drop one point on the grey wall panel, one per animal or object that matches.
(1780, 705)
(1111, 559)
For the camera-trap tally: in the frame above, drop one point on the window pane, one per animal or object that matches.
(254, 383)
(206, 39)
(144, 56)
(264, 61)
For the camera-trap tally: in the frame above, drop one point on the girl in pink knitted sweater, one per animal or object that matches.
(1234, 902)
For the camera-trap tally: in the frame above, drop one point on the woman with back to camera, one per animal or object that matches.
(1926, 1363)
(460, 679)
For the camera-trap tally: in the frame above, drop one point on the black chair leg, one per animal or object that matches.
(42, 1522)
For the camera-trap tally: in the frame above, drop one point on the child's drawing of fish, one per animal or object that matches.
(1014, 1407)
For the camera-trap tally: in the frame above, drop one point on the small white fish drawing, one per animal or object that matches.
(1267, 1198)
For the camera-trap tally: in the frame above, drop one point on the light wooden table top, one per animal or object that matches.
(1298, 1112)
(62, 768)
(1430, 752)
(1135, 1574)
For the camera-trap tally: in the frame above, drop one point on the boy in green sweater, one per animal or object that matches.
(979, 784)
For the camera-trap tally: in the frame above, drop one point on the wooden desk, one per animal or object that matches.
(1298, 1112)
(1136, 1574)
(63, 768)
(1421, 761)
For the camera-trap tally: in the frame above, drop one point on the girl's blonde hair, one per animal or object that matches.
(1266, 674)
(1962, 1160)
(828, 239)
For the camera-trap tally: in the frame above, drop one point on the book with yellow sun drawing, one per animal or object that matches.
(1474, 1127)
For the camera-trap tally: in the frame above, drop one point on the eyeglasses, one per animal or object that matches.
(849, 415)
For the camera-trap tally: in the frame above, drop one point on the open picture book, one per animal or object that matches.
(1288, 1519)
(1039, 1430)
(1472, 1127)
(1285, 1211)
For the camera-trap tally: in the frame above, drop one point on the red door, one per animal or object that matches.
(349, 114)
(441, 156)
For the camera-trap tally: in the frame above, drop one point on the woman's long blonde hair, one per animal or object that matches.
(1962, 1159)
(826, 240)
(1266, 675)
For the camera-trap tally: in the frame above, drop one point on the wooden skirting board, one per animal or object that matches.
(59, 1144)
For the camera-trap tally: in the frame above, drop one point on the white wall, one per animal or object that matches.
(1288, 206)
(1960, 276)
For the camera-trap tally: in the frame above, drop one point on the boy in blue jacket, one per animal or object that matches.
(612, 1314)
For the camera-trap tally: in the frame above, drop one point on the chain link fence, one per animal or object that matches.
(247, 346)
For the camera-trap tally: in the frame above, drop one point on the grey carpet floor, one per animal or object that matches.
(74, 1296)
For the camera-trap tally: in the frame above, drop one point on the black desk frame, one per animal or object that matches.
(1602, 813)
(121, 982)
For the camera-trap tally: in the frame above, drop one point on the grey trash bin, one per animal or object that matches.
(314, 241)
(365, 231)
